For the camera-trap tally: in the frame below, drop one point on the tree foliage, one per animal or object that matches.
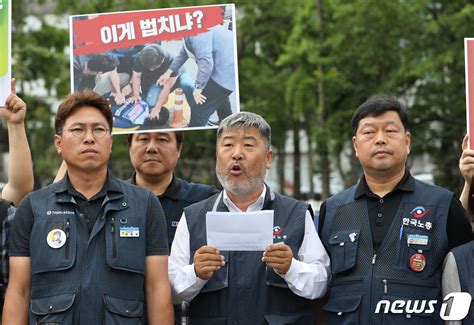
(295, 70)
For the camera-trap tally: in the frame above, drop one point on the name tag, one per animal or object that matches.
(414, 239)
(129, 232)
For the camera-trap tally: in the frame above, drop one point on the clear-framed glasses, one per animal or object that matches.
(98, 131)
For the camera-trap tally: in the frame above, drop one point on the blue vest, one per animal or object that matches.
(464, 256)
(188, 193)
(245, 291)
(406, 267)
(95, 278)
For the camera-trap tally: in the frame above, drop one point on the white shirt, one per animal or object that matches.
(307, 277)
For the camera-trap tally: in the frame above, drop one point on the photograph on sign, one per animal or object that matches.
(163, 69)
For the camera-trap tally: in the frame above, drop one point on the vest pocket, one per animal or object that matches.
(343, 246)
(122, 311)
(125, 243)
(343, 310)
(54, 309)
(414, 256)
(47, 256)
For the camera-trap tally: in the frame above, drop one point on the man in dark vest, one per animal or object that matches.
(388, 235)
(20, 175)
(90, 248)
(458, 267)
(154, 156)
(275, 286)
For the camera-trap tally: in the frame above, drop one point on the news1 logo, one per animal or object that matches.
(455, 306)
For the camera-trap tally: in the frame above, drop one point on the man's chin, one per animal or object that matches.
(87, 166)
(152, 172)
(239, 188)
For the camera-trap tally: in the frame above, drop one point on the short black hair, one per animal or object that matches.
(151, 56)
(102, 63)
(376, 106)
(79, 100)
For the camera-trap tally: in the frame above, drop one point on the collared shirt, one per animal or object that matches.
(382, 211)
(307, 277)
(171, 191)
(4, 244)
(256, 206)
(89, 208)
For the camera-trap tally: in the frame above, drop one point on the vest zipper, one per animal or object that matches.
(66, 253)
(373, 258)
(405, 282)
(112, 231)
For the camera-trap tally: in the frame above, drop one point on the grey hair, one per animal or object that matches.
(246, 120)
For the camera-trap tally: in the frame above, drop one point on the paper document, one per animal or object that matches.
(240, 231)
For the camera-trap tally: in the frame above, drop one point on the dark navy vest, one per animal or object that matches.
(245, 291)
(361, 277)
(464, 256)
(188, 193)
(90, 279)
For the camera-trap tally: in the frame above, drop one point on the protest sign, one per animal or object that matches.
(469, 66)
(163, 69)
(5, 50)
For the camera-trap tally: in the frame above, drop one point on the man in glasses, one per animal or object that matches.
(89, 248)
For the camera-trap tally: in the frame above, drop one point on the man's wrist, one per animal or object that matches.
(20, 124)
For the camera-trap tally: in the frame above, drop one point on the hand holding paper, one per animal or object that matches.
(207, 260)
(14, 110)
(278, 257)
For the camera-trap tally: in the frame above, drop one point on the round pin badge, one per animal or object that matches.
(417, 262)
(56, 238)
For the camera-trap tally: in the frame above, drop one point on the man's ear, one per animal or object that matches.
(354, 144)
(269, 158)
(58, 143)
(408, 141)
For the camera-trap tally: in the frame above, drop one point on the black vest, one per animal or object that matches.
(174, 203)
(95, 278)
(245, 291)
(464, 256)
(361, 277)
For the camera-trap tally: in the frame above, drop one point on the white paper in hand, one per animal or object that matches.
(240, 231)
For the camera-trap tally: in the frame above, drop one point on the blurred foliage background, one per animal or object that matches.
(304, 65)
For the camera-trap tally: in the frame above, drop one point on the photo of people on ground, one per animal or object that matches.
(164, 69)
